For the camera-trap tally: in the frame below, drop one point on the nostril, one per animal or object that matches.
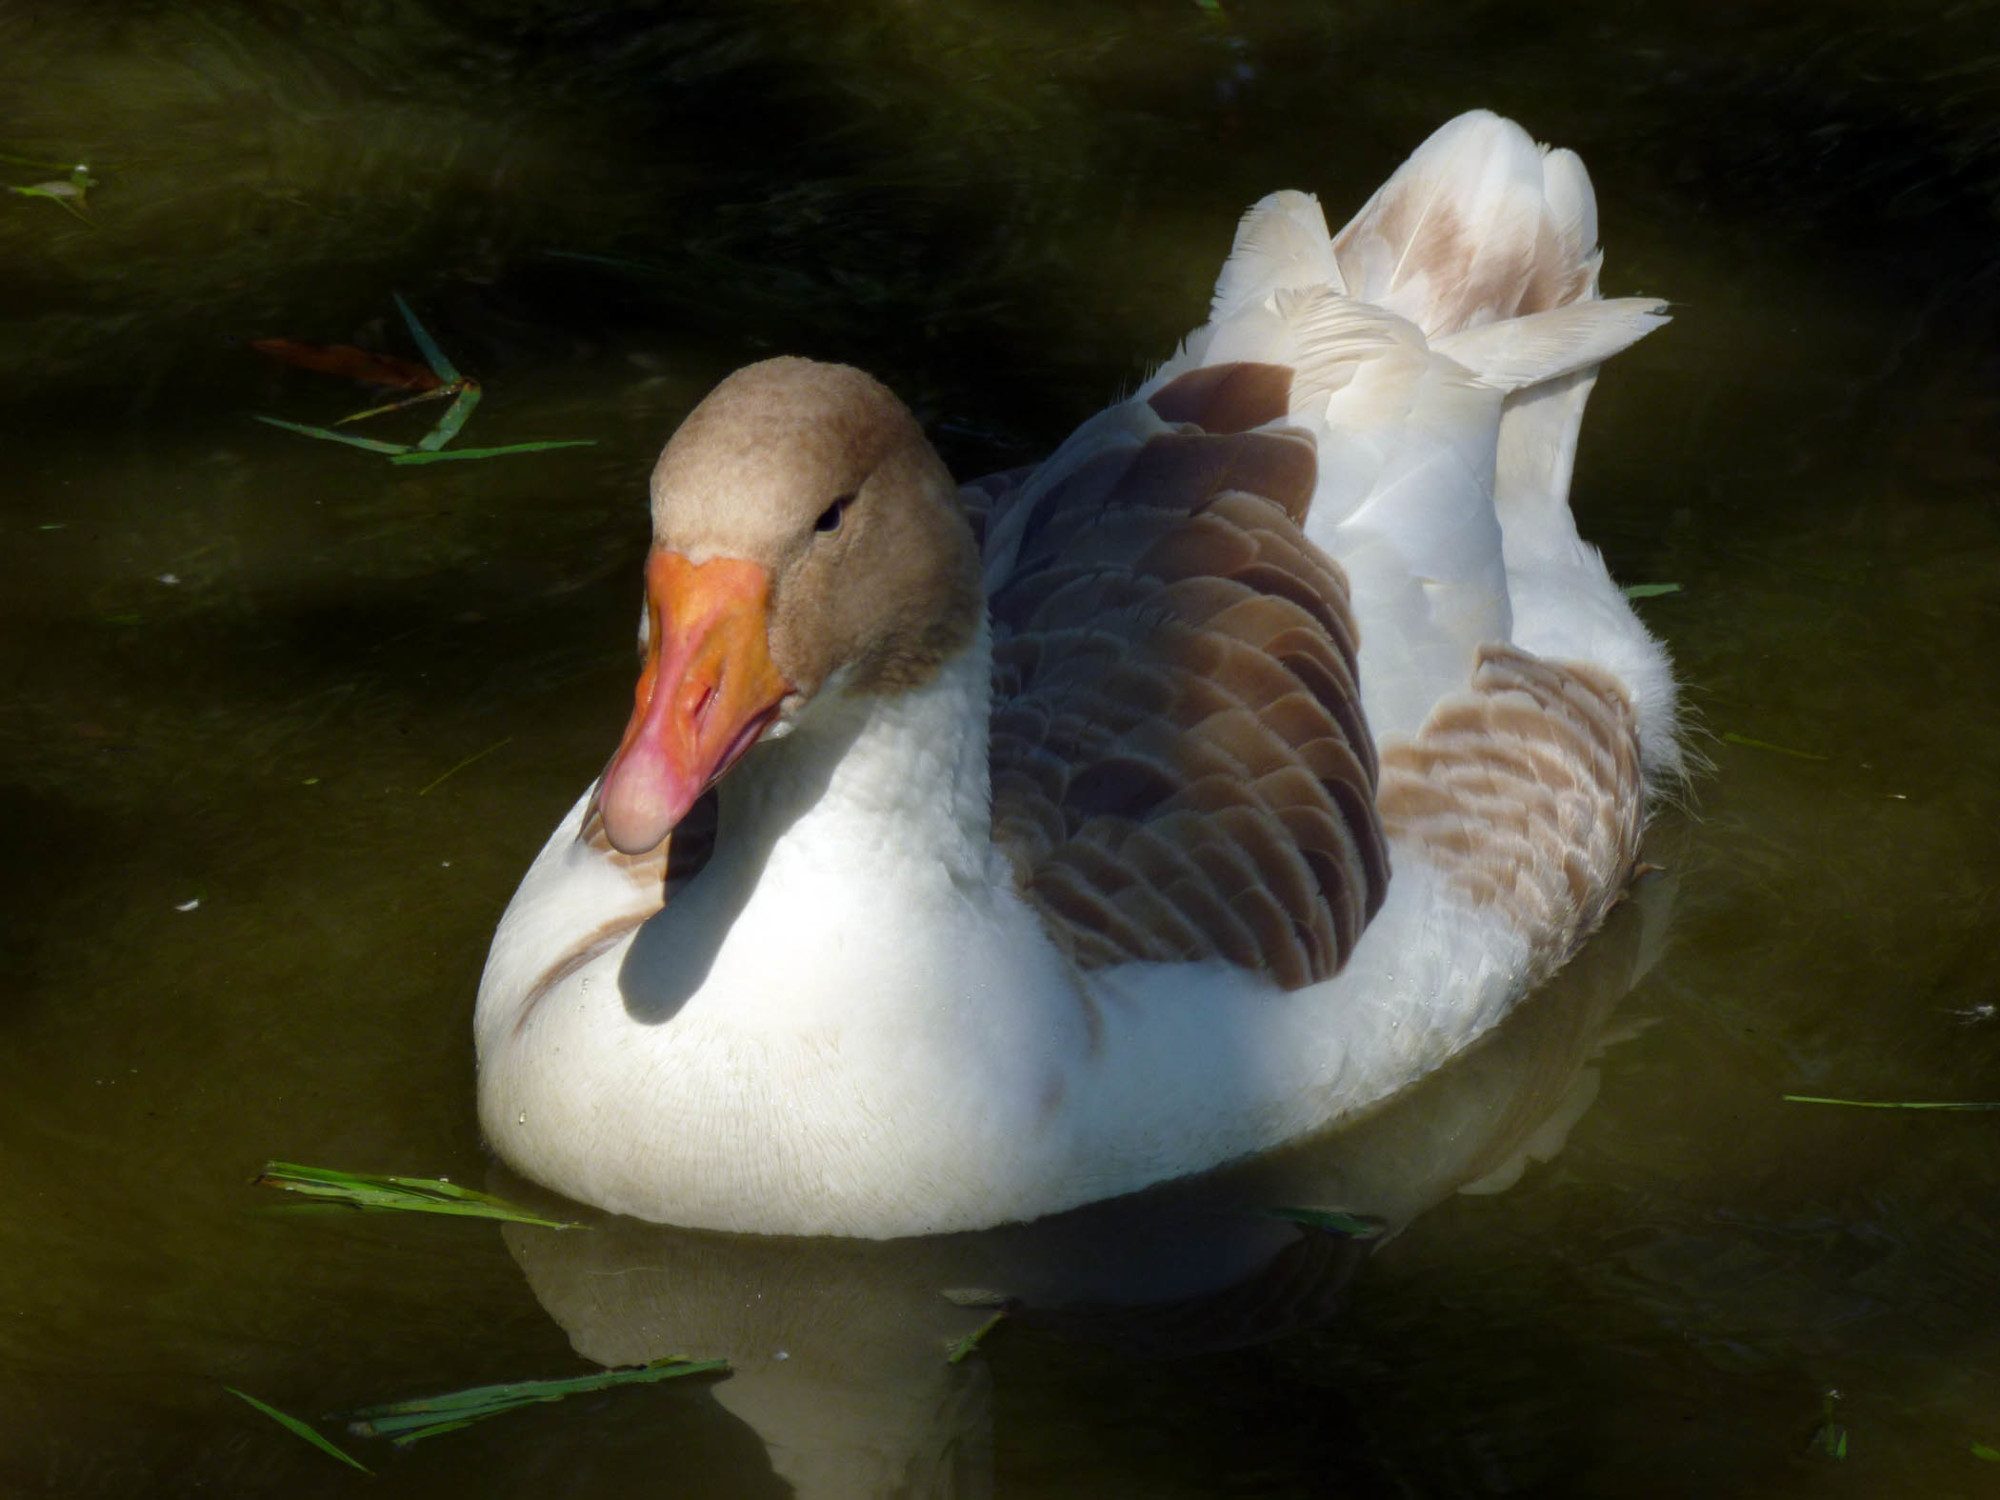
(704, 700)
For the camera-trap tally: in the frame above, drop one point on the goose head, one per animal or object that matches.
(807, 541)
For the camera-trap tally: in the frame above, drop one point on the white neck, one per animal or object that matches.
(840, 844)
(868, 779)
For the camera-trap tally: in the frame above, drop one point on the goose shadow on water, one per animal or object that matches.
(669, 961)
(837, 1346)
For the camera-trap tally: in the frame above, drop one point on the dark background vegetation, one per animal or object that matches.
(1008, 210)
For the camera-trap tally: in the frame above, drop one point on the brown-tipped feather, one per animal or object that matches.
(1526, 791)
(1181, 770)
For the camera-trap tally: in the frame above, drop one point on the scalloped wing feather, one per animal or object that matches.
(1181, 768)
(1526, 790)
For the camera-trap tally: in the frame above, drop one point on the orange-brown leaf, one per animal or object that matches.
(361, 365)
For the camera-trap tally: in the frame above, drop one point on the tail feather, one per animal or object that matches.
(1572, 209)
(1479, 225)
(1488, 243)
(1525, 351)
(1444, 345)
(1281, 245)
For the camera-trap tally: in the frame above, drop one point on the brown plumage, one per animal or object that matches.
(1527, 792)
(1180, 766)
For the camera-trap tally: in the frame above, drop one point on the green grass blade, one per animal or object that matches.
(1980, 1104)
(438, 393)
(1650, 590)
(1731, 737)
(299, 1429)
(327, 434)
(451, 1190)
(1829, 1440)
(471, 760)
(418, 1434)
(443, 368)
(397, 1425)
(405, 1422)
(1333, 1220)
(426, 1195)
(442, 455)
(1990, 1454)
(517, 1392)
(961, 1351)
(615, 262)
(67, 196)
(452, 420)
(975, 1296)
(37, 165)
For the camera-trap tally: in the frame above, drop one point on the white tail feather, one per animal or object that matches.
(1281, 245)
(1480, 224)
(1482, 249)
(1520, 352)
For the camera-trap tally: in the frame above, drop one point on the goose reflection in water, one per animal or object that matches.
(838, 1347)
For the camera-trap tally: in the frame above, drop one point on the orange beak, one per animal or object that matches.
(707, 692)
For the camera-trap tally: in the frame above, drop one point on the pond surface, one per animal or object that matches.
(283, 724)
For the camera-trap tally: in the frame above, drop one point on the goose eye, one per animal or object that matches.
(829, 519)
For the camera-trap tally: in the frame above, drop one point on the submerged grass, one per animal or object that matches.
(463, 391)
(1650, 590)
(328, 435)
(470, 760)
(1731, 737)
(300, 1429)
(1829, 1439)
(444, 455)
(407, 1422)
(961, 1349)
(446, 372)
(422, 1195)
(1334, 1221)
(1959, 1104)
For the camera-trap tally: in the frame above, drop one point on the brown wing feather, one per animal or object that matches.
(1180, 765)
(1526, 791)
(978, 498)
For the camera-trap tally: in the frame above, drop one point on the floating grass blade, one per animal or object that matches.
(1990, 1454)
(1829, 1439)
(422, 1195)
(961, 1351)
(615, 262)
(435, 393)
(1731, 737)
(433, 356)
(975, 1296)
(443, 375)
(1956, 1104)
(67, 196)
(39, 165)
(327, 434)
(1650, 590)
(293, 1425)
(1334, 1221)
(470, 760)
(453, 419)
(406, 1422)
(408, 457)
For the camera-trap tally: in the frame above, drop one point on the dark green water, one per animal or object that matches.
(239, 668)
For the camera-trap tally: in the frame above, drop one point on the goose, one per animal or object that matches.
(974, 853)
